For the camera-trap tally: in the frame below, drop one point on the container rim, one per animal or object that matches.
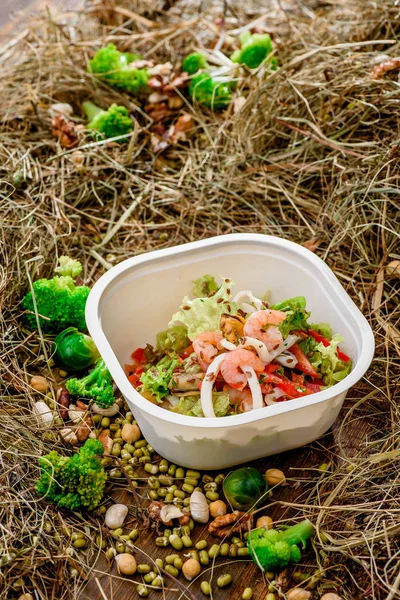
(93, 321)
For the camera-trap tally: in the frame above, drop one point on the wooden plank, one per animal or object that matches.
(299, 466)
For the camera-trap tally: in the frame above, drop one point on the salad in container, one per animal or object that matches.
(227, 352)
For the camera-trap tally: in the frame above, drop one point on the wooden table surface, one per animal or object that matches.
(301, 469)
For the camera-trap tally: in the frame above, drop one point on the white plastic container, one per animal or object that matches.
(136, 299)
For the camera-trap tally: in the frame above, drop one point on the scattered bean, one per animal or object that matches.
(191, 568)
(158, 581)
(149, 577)
(201, 544)
(194, 474)
(162, 541)
(172, 570)
(212, 496)
(224, 549)
(205, 588)
(204, 559)
(224, 580)
(213, 551)
(218, 508)
(126, 564)
(274, 477)
(247, 594)
(142, 591)
(143, 568)
(175, 542)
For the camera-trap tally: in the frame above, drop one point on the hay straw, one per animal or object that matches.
(312, 156)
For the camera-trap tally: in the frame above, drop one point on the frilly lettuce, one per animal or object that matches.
(204, 314)
(203, 286)
(296, 314)
(323, 328)
(156, 379)
(191, 405)
(174, 339)
(326, 362)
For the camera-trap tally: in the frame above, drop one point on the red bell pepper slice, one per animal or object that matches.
(188, 351)
(303, 364)
(313, 387)
(298, 378)
(321, 339)
(134, 379)
(138, 356)
(291, 389)
(271, 368)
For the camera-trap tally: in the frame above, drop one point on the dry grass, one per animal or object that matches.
(312, 156)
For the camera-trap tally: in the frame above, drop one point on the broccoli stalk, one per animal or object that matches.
(272, 550)
(59, 303)
(97, 386)
(209, 86)
(76, 481)
(114, 67)
(254, 50)
(109, 123)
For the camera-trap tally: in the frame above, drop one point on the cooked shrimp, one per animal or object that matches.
(237, 396)
(231, 368)
(207, 345)
(271, 336)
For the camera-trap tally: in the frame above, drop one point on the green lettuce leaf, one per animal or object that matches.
(327, 363)
(174, 339)
(203, 286)
(323, 328)
(296, 314)
(191, 405)
(204, 314)
(308, 345)
(156, 379)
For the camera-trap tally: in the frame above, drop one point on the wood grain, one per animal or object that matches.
(300, 468)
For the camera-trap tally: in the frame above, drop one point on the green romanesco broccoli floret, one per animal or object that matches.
(254, 49)
(97, 386)
(194, 62)
(108, 123)
(113, 66)
(59, 302)
(74, 482)
(210, 92)
(69, 267)
(273, 550)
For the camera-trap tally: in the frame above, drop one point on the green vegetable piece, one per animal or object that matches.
(210, 92)
(254, 50)
(323, 328)
(74, 350)
(204, 286)
(273, 550)
(204, 314)
(325, 360)
(156, 379)
(173, 340)
(76, 481)
(113, 122)
(96, 386)
(296, 315)
(114, 68)
(194, 62)
(58, 301)
(69, 267)
(191, 405)
(244, 487)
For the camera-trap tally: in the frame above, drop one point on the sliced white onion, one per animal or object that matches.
(290, 340)
(208, 384)
(287, 359)
(272, 397)
(228, 345)
(248, 301)
(258, 346)
(173, 400)
(253, 385)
